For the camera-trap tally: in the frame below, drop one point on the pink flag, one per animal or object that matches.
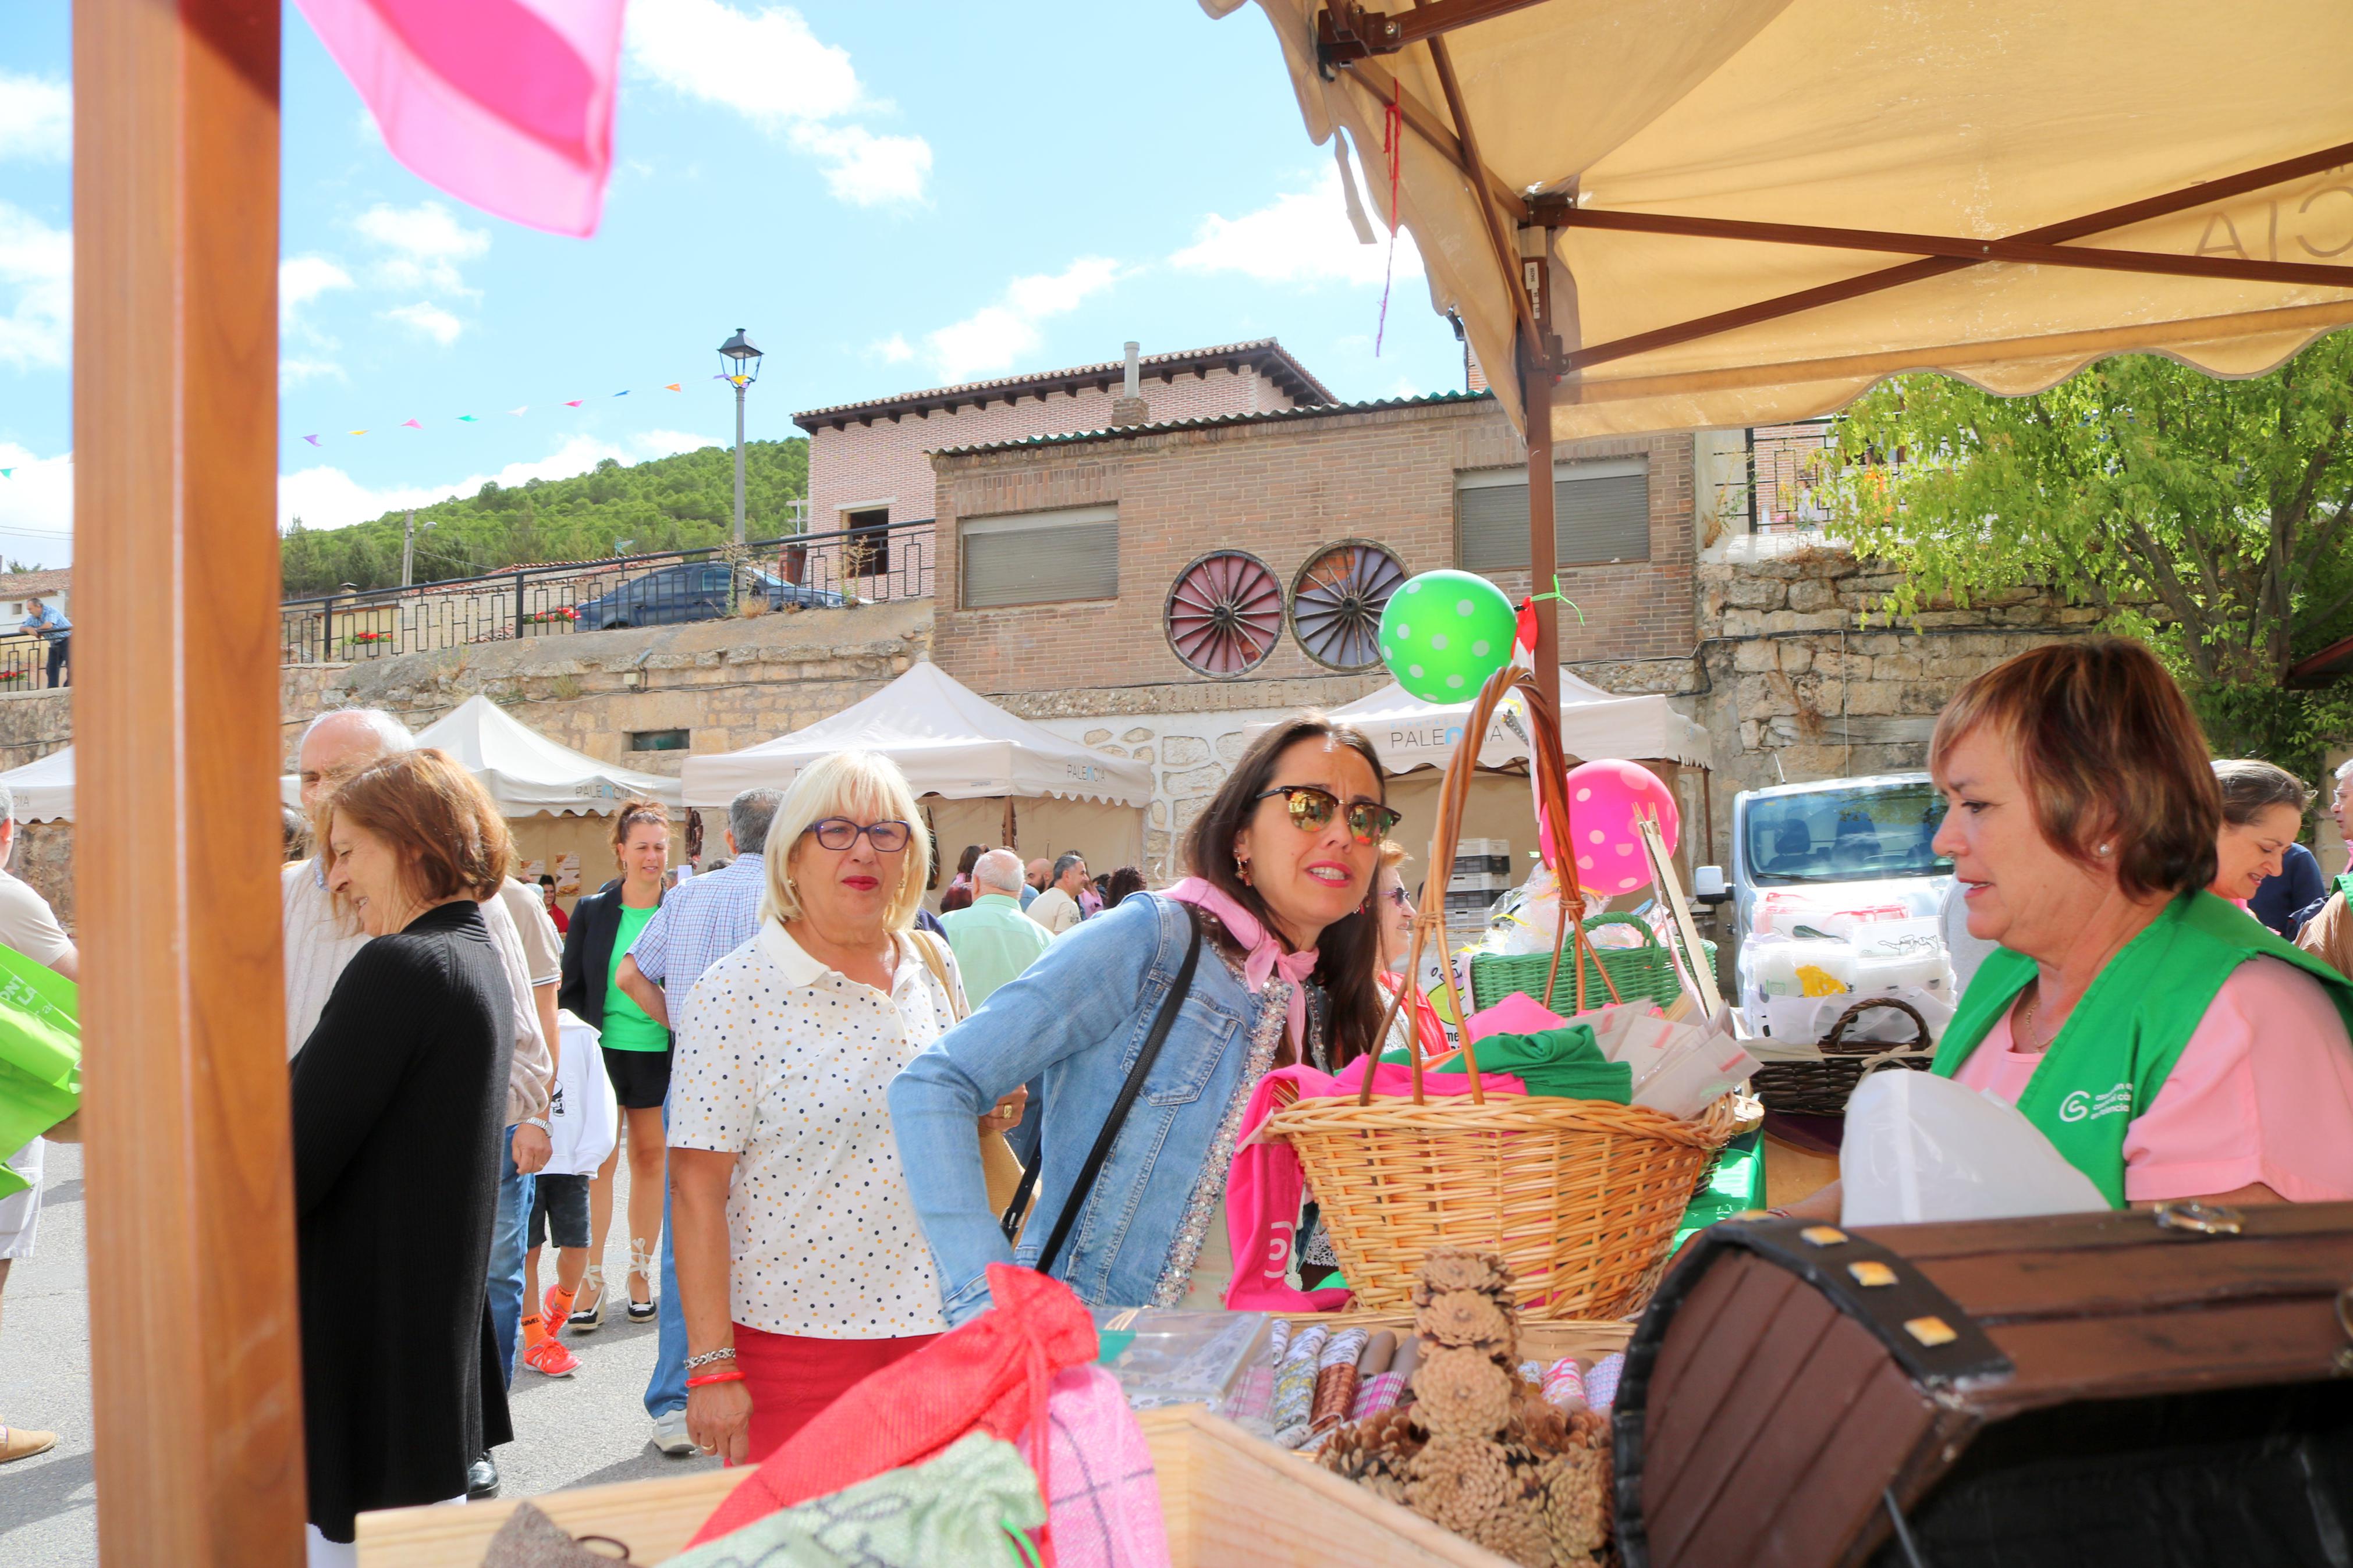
(505, 104)
(410, 425)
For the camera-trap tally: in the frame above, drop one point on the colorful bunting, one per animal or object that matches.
(673, 386)
(5, 472)
(518, 411)
(466, 419)
(410, 425)
(574, 402)
(622, 394)
(355, 432)
(312, 439)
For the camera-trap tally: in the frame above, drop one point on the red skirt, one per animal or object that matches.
(791, 1378)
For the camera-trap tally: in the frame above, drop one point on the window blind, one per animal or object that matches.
(1601, 512)
(1040, 557)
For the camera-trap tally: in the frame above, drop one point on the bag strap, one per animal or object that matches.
(932, 962)
(1085, 1185)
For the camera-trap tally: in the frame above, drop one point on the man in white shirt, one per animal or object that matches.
(1057, 909)
(29, 926)
(321, 940)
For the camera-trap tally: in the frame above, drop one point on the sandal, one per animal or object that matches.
(589, 1319)
(23, 1443)
(641, 1266)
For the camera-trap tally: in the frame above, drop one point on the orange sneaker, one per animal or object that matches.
(550, 1358)
(555, 1310)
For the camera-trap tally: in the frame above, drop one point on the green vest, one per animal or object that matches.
(2344, 883)
(2120, 1043)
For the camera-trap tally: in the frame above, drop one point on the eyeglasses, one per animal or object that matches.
(1398, 896)
(1311, 808)
(840, 832)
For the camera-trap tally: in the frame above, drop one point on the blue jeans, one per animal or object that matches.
(665, 1390)
(506, 1256)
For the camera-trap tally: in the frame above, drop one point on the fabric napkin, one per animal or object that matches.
(1563, 1063)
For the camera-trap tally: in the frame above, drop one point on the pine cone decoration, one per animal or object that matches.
(1374, 1452)
(1459, 1268)
(1576, 1506)
(1475, 1318)
(1538, 1426)
(1460, 1482)
(1462, 1393)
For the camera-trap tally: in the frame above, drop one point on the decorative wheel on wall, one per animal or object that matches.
(1336, 601)
(1225, 614)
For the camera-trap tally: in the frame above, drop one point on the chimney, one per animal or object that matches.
(1129, 407)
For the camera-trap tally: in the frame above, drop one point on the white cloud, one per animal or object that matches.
(425, 242)
(37, 506)
(669, 443)
(997, 336)
(302, 278)
(36, 118)
(767, 66)
(37, 267)
(893, 350)
(326, 497)
(431, 321)
(295, 372)
(1301, 236)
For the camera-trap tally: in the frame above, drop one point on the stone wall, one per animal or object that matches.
(1793, 689)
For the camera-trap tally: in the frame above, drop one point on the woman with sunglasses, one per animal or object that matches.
(801, 1268)
(1271, 951)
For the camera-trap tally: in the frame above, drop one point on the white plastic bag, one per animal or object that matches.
(1919, 1147)
(584, 1118)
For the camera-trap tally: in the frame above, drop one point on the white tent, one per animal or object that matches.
(1411, 734)
(946, 738)
(44, 789)
(527, 773)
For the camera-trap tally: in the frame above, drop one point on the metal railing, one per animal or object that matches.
(809, 571)
(23, 663)
(1790, 465)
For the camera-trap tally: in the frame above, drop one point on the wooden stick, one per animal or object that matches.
(1671, 889)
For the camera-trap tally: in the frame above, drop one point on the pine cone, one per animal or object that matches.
(1462, 1393)
(1460, 1483)
(1576, 1504)
(1473, 1318)
(1459, 1268)
(1374, 1452)
(1538, 1425)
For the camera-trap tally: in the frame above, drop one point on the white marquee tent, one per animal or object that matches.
(527, 773)
(44, 789)
(956, 746)
(1410, 733)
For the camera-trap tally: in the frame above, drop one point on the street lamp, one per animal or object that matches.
(742, 357)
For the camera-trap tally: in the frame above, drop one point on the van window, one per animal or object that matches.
(1846, 835)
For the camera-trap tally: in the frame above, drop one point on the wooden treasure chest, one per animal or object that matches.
(2150, 1389)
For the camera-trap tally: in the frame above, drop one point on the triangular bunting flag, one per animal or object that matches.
(410, 425)
(312, 439)
(355, 432)
(467, 417)
(621, 393)
(524, 409)
(574, 402)
(5, 472)
(673, 386)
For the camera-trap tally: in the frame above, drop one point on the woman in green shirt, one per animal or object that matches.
(636, 1049)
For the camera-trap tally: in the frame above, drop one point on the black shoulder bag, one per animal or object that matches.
(1085, 1186)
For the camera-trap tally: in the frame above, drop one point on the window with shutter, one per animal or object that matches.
(1601, 514)
(1040, 557)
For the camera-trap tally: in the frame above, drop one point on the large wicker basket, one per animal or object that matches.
(1580, 1197)
(1822, 1087)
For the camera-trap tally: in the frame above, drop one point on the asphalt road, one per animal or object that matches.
(578, 1431)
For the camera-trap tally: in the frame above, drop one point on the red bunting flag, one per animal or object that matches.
(574, 402)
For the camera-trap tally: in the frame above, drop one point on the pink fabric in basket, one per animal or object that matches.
(1105, 1510)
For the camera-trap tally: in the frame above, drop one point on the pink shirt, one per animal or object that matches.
(2263, 1092)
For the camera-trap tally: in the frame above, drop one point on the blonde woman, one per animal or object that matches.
(801, 1264)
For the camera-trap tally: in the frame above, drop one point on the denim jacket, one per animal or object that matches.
(1076, 1020)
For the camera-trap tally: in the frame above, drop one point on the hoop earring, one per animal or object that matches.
(1241, 869)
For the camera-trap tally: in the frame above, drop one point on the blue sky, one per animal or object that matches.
(888, 194)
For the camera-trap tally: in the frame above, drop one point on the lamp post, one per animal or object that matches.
(742, 359)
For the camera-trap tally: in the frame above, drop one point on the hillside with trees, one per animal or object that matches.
(667, 503)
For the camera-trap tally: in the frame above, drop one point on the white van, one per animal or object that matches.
(1835, 888)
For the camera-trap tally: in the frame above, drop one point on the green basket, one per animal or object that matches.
(1646, 972)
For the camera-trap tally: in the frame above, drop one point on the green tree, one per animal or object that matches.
(2206, 517)
(680, 502)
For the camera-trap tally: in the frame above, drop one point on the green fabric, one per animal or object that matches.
(40, 1055)
(1737, 1182)
(994, 941)
(2344, 883)
(628, 1028)
(953, 1511)
(1563, 1063)
(2120, 1043)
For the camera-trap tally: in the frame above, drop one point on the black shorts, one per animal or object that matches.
(640, 1079)
(559, 1205)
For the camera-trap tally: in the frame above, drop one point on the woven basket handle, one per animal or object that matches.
(1550, 767)
(1837, 1035)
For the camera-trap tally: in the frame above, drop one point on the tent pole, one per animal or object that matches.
(1009, 822)
(1535, 398)
(194, 1330)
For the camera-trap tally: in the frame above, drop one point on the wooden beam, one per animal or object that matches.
(2101, 222)
(1348, 32)
(2033, 253)
(1536, 381)
(1506, 253)
(195, 1327)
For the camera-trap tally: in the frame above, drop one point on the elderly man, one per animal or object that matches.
(321, 940)
(29, 925)
(1057, 909)
(993, 940)
(700, 922)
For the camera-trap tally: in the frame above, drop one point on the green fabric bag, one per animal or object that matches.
(40, 1055)
(1563, 1063)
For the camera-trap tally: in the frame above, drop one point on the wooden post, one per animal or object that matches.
(195, 1332)
(1536, 397)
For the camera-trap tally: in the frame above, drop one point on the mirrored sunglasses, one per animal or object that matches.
(1311, 808)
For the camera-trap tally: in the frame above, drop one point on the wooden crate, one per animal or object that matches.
(1228, 1499)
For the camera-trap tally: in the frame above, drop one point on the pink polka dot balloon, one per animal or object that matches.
(1607, 800)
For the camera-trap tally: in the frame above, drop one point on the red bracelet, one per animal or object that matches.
(705, 1379)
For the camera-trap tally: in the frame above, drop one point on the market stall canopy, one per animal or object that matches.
(44, 790)
(945, 737)
(1411, 734)
(527, 773)
(1754, 209)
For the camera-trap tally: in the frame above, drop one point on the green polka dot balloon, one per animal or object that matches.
(1444, 633)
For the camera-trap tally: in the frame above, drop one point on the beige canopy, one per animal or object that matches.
(1755, 208)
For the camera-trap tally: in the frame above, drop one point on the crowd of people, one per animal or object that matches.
(839, 1109)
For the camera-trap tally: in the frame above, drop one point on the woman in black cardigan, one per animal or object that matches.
(399, 1109)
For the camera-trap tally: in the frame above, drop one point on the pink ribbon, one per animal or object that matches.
(1265, 956)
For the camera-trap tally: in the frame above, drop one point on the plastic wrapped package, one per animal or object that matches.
(1165, 1356)
(1921, 1148)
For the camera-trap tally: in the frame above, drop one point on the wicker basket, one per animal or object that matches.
(1580, 1197)
(1822, 1087)
(1646, 971)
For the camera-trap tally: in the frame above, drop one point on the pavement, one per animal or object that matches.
(584, 1430)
